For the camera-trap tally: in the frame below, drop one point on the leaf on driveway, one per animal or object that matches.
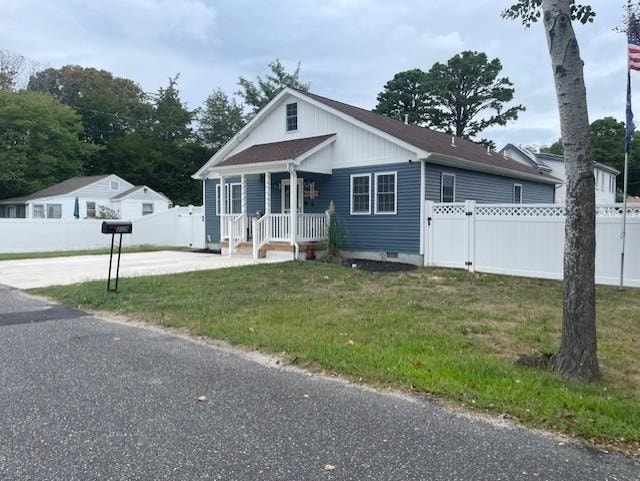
(329, 467)
(203, 399)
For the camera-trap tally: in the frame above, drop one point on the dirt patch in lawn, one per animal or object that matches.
(378, 266)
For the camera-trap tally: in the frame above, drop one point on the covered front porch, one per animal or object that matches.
(285, 230)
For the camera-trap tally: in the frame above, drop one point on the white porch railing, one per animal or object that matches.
(237, 231)
(313, 227)
(228, 218)
(276, 227)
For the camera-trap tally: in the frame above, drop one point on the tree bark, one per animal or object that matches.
(577, 356)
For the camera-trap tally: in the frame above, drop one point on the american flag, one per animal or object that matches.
(633, 39)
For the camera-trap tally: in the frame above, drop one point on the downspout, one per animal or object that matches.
(296, 248)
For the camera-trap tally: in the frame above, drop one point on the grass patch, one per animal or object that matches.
(86, 252)
(450, 333)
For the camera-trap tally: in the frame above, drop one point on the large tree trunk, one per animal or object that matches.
(577, 357)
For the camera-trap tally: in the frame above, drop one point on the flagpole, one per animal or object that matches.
(624, 214)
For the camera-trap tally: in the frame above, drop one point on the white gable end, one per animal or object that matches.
(354, 145)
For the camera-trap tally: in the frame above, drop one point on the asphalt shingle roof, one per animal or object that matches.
(64, 187)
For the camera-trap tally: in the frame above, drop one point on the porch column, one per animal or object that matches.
(223, 207)
(293, 203)
(243, 205)
(267, 193)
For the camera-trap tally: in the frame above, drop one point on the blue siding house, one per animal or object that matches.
(311, 152)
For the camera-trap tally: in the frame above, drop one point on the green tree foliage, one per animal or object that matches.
(41, 143)
(466, 96)
(110, 106)
(607, 141)
(259, 93)
(219, 119)
(405, 94)
(462, 97)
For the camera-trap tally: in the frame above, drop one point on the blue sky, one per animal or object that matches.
(348, 48)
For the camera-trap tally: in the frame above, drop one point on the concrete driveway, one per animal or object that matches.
(30, 273)
(84, 398)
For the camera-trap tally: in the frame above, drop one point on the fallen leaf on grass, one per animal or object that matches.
(329, 467)
(350, 342)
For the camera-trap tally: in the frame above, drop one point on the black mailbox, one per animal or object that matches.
(116, 227)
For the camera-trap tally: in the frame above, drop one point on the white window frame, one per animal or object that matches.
(53, 205)
(152, 208)
(286, 118)
(351, 211)
(514, 194)
(442, 176)
(33, 211)
(228, 187)
(395, 192)
(284, 197)
(95, 210)
(111, 185)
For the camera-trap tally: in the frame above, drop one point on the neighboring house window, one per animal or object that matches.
(38, 211)
(448, 189)
(292, 117)
(54, 211)
(115, 185)
(517, 193)
(91, 210)
(234, 200)
(147, 208)
(360, 194)
(386, 192)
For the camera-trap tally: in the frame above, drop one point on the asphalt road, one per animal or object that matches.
(89, 399)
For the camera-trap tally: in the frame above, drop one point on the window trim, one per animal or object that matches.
(95, 209)
(351, 211)
(514, 193)
(53, 205)
(395, 192)
(116, 188)
(152, 208)
(33, 211)
(286, 118)
(229, 198)
(442, 175)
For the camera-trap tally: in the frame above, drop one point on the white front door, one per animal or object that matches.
(286, 196)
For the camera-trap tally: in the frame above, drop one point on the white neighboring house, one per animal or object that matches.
(605, 176)
(92, 194)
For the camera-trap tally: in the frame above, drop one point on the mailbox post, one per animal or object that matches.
(113, 228)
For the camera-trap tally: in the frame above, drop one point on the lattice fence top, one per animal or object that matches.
(525, 210)
(520, 210)
(449, 209)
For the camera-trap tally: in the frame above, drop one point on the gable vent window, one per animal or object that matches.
(115, 185)
(292, 117)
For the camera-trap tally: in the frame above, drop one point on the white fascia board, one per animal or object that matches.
(490, 169)
(242, 133)
(256, 168)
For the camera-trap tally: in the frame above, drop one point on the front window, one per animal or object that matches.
(233, 198)
(292, 117)
(361, 194)
(448, 193)
(38, 211)
(386, 193)
(517, 194)
(54, 211)
(147, 208)
(91, 210)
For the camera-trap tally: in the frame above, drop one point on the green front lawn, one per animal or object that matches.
(445, 332)
(86, 252)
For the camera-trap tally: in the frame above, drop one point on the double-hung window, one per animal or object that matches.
(448, 189)
(292, 117)
(360, 194)
(147, 208)
(54, 211)
(517, 193)
(38, 211)
(233, 198)
(91, 210)
(386, 192)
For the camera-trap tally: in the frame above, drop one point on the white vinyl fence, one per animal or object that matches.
(177, 227)
(526, 239)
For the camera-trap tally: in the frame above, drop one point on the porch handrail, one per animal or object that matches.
(261, 235)
(224, 235)
(237, 231)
